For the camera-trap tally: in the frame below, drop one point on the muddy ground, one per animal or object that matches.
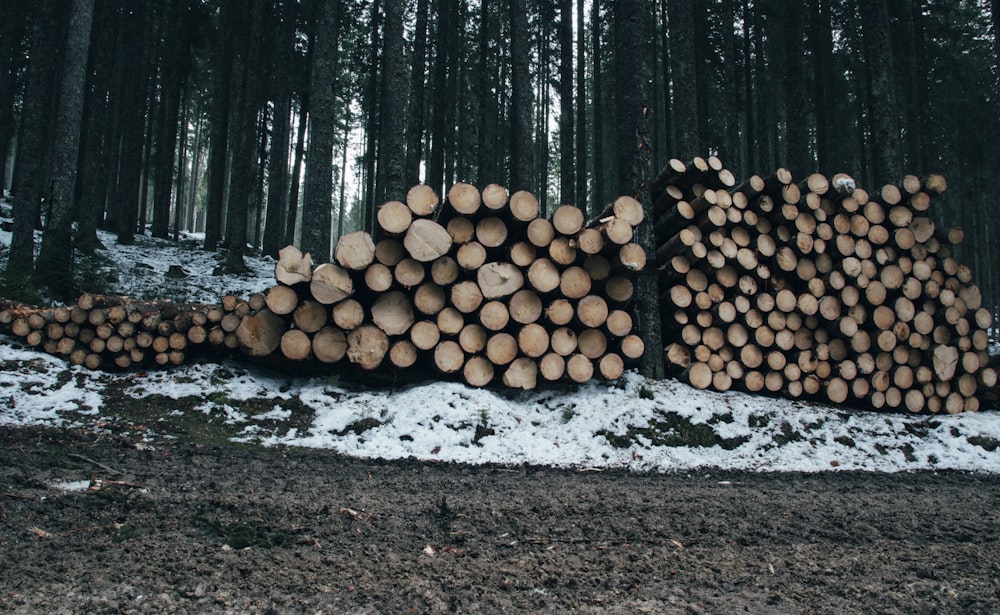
(185, 527)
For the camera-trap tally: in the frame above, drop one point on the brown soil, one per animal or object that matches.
(187, 527)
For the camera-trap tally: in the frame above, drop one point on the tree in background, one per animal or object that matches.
(54, 267)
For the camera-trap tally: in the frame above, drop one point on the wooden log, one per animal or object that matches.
(464, 198)
(543, 275)
(491, 232)
(296, 345)
(471, 256)
(389, 251)
(367, 346)
(425, 334)
(409, 273)
(444, 271)
(392, 313)
(611, 366)
(330, 283)
(501, 348)
(499, 279)
(461, 230)
(379, 277)
(579, 368)
(450, 321)
(540, 233)
(355, 251)
(523, 206)
(403, 354)
(394, 217)
(494, 315)
(293, 267)
(348, 314)
(466, 296)
(258, 334)
(494, 196)
(473, 338)
(281, 299)
(569, 219)
(552, 367)
(575, 282)
(522, 374)
(560, 312)
(426, 240)
(477, 371)
(422, 200)
(533, 340)
(525, 306)
(429, 298)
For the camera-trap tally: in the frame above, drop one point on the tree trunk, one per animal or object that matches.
(415, 124)
(684, 75)
(521, 106)
(54, 268)
(392, 132)
(318, 202)
(886, 146)
(218, 142)
(633, 148)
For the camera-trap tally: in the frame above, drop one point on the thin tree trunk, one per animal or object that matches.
(318, 201)
(181, 166)
(392, 133)
(218, 139)
(371, 128)
(415, 125)
(521, 147)
(293, 191)
(886, 140)
(597, 112)
(567, 158)
(581, 109)
(277, 186)
(245, 61)
(32, 142)
(684, 75)
(55, 259)
(633, 154)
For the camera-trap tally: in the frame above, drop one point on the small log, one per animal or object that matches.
(367, 346)
(392, 313)
(259, 334)
(293, 267)
(296, 344)
(477, 371)
(355, 251)
(422, 200)
(522, 374)
(394, 217)
(426, 240)
(330, 283)
(499, 279)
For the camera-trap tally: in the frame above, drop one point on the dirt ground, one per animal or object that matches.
(187, 527)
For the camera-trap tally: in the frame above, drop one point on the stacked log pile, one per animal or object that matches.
(480, 287)
(818, 289)
(102, 331)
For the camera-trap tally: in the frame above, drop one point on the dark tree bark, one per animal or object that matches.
(392, 133)
(995, 16)
(95, 156)
(633, 163)
(133, 71)
(821, 44)
(54, 267)
(245, 62)
(281, 82)
(687, 136)
(174, 62)
(799, 153)
(291, 222)
(415, 125)
(542, 105)
(439, 124)
(732, 147)
(521, 106)
(371, 104)
(581, 109)
(218, 139)
(749, 94)
(567, 158)
(13, 56)
(597, 112)
(886, 145)
(33, 141)
(485, 171)
(317, 207)
(906, 33)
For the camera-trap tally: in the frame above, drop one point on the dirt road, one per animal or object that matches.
(181, 528)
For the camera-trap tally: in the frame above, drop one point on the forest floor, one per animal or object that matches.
(105, 523)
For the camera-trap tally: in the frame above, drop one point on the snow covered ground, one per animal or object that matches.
(635, 423)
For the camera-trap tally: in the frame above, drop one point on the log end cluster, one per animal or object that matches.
(818, 289)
